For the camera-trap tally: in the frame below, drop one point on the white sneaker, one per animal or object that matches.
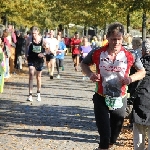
(38, 97)
(83, 78)
(30, 98)
(58, 76)
(87, 78)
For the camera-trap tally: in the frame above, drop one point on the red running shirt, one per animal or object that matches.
(75, 43)
(112, 72)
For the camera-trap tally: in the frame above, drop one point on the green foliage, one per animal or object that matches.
(51, 13)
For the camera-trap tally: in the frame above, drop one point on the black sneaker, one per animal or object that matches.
(51, 77)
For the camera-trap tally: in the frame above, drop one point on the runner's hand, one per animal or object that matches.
(95, 77)
(126, 80)
(41, 55)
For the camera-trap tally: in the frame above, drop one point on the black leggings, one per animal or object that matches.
(59, 63)
(109, 122)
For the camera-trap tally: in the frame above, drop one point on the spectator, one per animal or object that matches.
(12, 40)
(137, 51)
(7, 49)
(141, 104)
(104, 41)
(2, 65)
(20, 50)
(95, 43)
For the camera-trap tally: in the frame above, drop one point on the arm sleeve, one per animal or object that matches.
(88, 59)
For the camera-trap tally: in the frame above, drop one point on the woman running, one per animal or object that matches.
(85, 49)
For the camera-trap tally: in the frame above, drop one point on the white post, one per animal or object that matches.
(56, 32)
(64, 32)
(86, 31)
(83, 32)
(68, 33)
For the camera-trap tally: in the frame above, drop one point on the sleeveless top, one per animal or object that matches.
(34, 50)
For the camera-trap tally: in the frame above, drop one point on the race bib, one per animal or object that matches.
(113, 102)
(37, 49)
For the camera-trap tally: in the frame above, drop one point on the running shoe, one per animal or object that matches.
(30, 98)
(83, 78)
(51, 77)
(38, 97)
(76, 69)
(87, 78)
(63, 68)
(58, 76)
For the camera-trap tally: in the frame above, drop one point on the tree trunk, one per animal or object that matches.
(128, 23)
(144, 27)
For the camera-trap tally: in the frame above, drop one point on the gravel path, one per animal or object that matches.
(63, 120)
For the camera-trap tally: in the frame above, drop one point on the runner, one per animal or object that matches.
(35, 62)
(84, 49)
(60, 55)
(113, 65)
(75, 43)
(50, 58)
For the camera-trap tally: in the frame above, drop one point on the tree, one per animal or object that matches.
(51, 13)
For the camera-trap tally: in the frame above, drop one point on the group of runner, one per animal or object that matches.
(51, 50)
(113, 74)
(113, 64)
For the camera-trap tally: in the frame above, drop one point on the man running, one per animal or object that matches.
(50, 58)
(35, 62)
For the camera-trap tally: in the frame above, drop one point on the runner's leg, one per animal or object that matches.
(38, 77)
(57, 65)
(77, 62)
(116, 121)
(31, 75)
(52, 64)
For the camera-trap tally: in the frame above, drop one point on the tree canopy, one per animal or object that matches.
(51, 13)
